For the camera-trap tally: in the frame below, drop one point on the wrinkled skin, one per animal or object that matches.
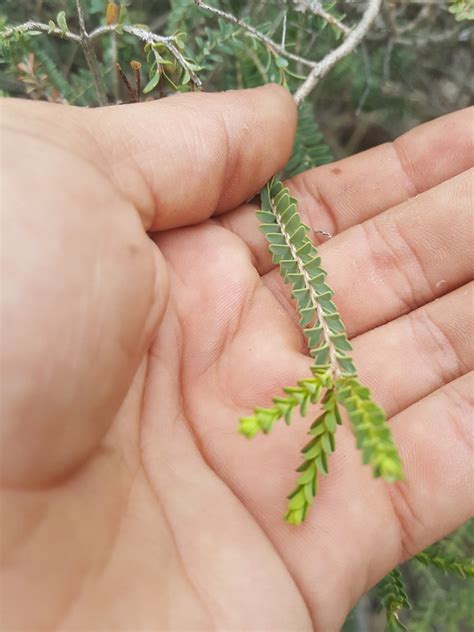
(129, 502)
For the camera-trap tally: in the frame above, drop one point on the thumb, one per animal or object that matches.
(181, 159)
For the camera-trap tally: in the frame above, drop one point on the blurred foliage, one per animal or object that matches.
(415, 64)
(439, 601)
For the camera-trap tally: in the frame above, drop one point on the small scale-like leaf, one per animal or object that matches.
(289, 266)
(308, 474)
(280, 250)
(322, 463)
(308, 490)
(297, 280)
(313, 266)
(321, 354)
(334, 322)
(268, 228)
(304, 249)
(341, 343)
(266, 217)
(326, 443)
(298, 237)
(304, 405)
(330, 421)
(288, 214)
(249, 426)
(297, 501)
(307, 316)
(292, 224)
(318, 430)
(296, 516)
(314, 452)
(275, 238)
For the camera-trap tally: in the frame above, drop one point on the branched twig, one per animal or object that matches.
(151, 38)
(271, 44)
(145, 36)
(353, 37)
(32, 26)
(317, 8)
(349, 44)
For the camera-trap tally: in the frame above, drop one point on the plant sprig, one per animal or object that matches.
(315, 459)
(393, 599)
(334, 380)
(446, 563)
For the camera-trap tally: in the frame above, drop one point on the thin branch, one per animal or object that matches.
(349, 44)
(131, 93)
(317, 8)
(283, 33)
(90, 55)
(80, 15)
(272, 45)
(31, 25)
(140, 33)
(368, 78)
(145, 36)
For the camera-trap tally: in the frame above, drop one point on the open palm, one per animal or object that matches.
(129, 501)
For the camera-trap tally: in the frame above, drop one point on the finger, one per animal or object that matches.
(181, 159)
(351, 505)
(393, 522)
(336, 196)
(401, 259)
(436, 442)
(420, 352)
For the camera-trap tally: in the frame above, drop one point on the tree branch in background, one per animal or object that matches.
(353, 37)
(350, 43)
(272, 45)
(141, 34)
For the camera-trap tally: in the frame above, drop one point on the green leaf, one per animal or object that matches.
(266, 217)
(281, 62)
(62, 22)
(307, 316)
(151, 85)
(370, 428)
(393, 598)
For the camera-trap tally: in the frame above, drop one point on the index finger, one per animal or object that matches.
(338, 196)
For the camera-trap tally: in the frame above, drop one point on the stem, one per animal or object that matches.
(349, 44)
(90, 55)
(336, 371)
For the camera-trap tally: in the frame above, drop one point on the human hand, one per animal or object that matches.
(128, 499)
